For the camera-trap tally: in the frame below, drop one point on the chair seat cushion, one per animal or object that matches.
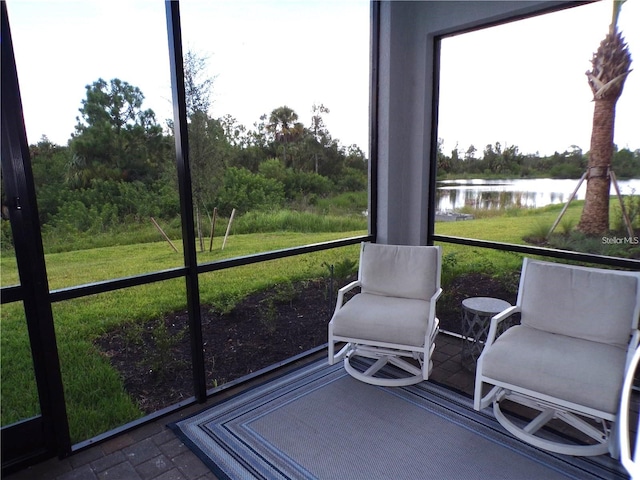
(383, 319)
(571, 369)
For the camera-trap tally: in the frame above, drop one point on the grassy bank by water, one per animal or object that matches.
(532, 226)
(511, 225)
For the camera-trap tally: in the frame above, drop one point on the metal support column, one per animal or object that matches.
(47, 434)
(186, 198)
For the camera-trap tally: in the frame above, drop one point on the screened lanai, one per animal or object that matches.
(60, 370)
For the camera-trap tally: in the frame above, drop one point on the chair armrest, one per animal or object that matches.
(496, 319)
(634, 341)
(432, 308)
(433, 322)
(436, 295)
(342, 291)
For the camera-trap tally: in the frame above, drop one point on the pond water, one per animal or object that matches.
(452, 195)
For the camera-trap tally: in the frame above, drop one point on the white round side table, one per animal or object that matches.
(476, 320)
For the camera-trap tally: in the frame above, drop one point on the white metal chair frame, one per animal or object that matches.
(631, 463)
(385, 352)
(551, 407)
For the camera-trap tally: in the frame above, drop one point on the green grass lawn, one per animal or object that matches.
(95, 394)
(79, 267)
(509, 226)
(513, 225)
(518, 226)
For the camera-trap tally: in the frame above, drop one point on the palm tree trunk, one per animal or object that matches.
(610, 66)
(595, 214)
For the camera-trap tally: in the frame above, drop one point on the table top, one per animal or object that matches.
(485, 305)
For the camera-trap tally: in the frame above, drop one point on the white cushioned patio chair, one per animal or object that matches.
(568, 357)
(393, 318)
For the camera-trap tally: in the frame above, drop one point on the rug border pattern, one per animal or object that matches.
(237, 458)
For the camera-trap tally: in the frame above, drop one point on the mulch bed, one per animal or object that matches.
(154, 358)
(472, 285)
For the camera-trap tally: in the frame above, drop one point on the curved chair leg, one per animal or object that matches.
(368, 376)
(527, 433)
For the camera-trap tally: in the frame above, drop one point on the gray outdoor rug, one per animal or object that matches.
(318, 422)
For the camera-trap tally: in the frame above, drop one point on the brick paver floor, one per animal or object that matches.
(153, 452)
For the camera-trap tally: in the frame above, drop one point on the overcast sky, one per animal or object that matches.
(524, 83)
(519, 84)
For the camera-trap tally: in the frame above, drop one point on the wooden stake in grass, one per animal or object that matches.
(164, 234)
(233, 212)
(213, 226)
(571, 197)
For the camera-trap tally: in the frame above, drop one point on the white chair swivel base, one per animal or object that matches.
(548, 413)
(383, 357)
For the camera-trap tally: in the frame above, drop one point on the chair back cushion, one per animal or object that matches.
(589, 303)
(400, 271)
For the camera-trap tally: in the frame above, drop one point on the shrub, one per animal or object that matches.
(567, 225)
(247, 191)
(349, 202)
(449, 268)
(304, 183)
(566, 170)
(274, 169)
(352, 180)
(296, 184)
(71, 216)
(6, 238)
(632, 208)
(292, 221)
(342, 269)
(538, 232)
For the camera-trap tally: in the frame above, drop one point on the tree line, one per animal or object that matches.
(507, 161)
(119, 164)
